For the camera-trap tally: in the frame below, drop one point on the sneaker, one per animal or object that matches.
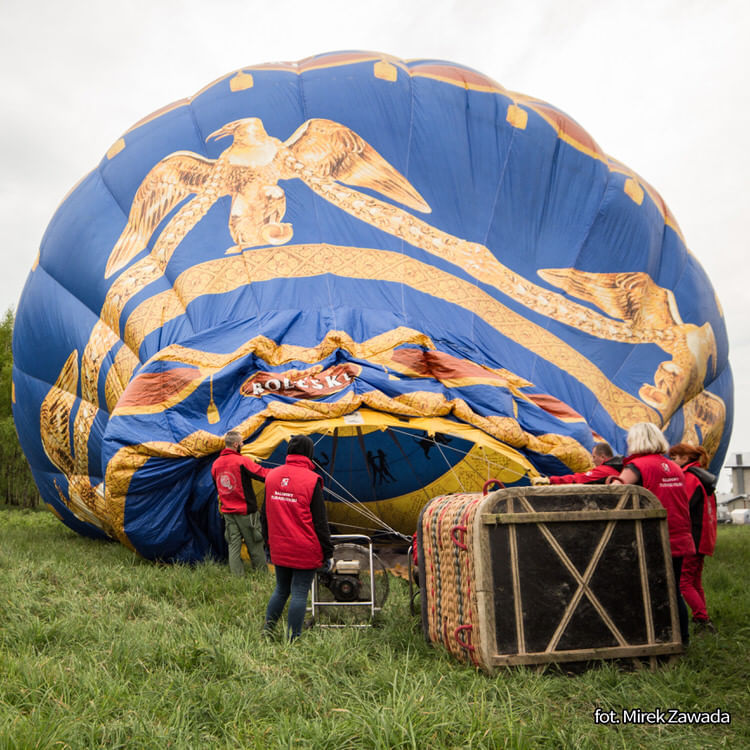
(704, 626)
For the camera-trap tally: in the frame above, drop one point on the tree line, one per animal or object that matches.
(16, 482)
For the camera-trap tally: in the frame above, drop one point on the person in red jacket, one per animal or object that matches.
(700, 485)
(232, 474)
(295, 529)
(648, 466)
(605, 465)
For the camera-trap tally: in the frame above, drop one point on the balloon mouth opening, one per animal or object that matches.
(380, 469)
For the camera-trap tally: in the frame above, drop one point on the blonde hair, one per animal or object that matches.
(646, 437)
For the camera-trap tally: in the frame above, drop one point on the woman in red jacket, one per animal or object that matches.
(648, 466)
(700, 485)
(295, 530)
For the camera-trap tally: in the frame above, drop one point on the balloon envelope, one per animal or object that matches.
(441, 281)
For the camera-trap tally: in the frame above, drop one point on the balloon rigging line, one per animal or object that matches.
(355, 504)
(440, 447)
(464, 453)
(450, 466)
(361, 507)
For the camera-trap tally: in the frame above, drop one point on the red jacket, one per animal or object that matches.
(665, 479)
(231, 472)
(702, 507)
(293, 516)
(597, 475)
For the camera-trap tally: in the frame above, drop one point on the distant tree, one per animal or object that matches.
(16, 482)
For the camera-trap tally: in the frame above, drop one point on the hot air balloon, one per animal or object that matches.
(439, 280)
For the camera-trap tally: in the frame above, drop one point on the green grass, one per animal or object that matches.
(101, 649)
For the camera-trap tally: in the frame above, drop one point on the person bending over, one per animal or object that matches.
(605, 465)
(648, 466)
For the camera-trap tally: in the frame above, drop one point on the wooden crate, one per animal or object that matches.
(539, 575)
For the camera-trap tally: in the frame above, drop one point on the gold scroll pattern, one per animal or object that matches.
(708, 412)
(225, 274)
(87, 503)
(301, 156)
(690, 346)
(129, 459)
(322, 153)
(279, 354)
(263, 264)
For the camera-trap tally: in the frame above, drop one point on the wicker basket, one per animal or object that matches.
(538, 575)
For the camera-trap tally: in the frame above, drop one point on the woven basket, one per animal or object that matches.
(537, 575)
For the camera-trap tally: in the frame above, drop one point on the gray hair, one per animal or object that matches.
(232, 438)
(646, 437)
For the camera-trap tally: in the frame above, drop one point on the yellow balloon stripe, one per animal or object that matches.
(295, 261)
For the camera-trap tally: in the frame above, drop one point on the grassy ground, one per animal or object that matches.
(101, 649)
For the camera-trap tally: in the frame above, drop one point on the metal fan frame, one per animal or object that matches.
(316, 603)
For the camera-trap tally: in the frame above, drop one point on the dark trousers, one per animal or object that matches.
(297, 583)
(681, 606)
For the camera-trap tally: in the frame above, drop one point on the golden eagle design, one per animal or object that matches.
(652, 313)
(320, 152)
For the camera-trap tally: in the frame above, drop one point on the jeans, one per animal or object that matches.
(297, 583)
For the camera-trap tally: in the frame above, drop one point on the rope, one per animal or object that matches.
(360, 507)
(354, 504)
(489, 463)
(450, 466)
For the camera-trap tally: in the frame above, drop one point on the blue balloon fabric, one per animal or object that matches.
(439, 280)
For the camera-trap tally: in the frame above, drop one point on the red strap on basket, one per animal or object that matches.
(462, 529)
(459, 640)
(486, 486)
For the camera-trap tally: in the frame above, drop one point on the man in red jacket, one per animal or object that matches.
(232, 474)
(295, 529)
(605, 465)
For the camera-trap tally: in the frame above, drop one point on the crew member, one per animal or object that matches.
(232, 474)
(700, 485)
(295, 529)
(606, 464)
(648, 466)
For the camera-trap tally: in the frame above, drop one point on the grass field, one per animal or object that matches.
(101, 649)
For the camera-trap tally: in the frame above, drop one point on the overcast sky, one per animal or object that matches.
(661, 85)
